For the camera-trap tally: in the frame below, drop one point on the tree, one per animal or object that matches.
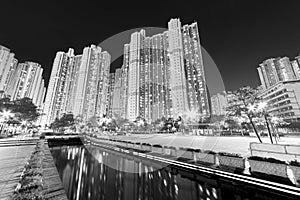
(93, 122)
(65, 121)
(140, 123)
(241, 106)
(159, 123)
(25, 110)
(121, 122)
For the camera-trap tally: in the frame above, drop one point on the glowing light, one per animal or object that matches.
(140, 122)
(105, 120)
(5, 114)
(161, 124)
(192, 116)
(261, 105)
(252, 108)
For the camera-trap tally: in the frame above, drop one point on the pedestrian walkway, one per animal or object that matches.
(52, 188)
(12, 161)
(236, 144)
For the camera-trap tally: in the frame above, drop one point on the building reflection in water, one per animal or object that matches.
(105, 176)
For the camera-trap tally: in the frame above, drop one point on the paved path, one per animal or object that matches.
(12, 162)
(53, 187)
(217, 144)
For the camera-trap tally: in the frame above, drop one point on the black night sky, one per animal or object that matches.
(237, 34)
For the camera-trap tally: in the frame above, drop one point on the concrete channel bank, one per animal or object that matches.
(255, 166)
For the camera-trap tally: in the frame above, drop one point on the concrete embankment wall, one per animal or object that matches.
(278, 151)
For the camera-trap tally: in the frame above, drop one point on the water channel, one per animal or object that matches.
(87, 173)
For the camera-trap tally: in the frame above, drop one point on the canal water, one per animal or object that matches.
(87, 173)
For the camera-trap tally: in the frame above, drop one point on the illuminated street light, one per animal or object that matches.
(140, 122)
(262, 105)
(252, 108)
(6, 114)
(161, 124)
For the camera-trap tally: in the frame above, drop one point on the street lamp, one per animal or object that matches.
(262, 106)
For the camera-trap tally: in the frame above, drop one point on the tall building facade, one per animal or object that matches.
(197, 94)
(133, 109)
(78, 85)
(145, 78)
(55, 102)
(26, 81)
(280, 81)
(274, 70)
(20, 80)
(177, 69)
(110, 95)
(7, 65)
(163, 75)
(124, 82)
(116, 94)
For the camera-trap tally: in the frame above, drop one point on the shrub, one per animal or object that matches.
(156, 145)
(295, 163)
(230, 154)
(210, 152)
(271, 160)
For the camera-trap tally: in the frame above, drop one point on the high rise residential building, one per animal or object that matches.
(55, 102)
(147, 88)
(133, 105)
(163, 75)
(188, 84)
(14, 78)
(267, 73)
(116, 97)
(25, 81)
(218, 104)
(103, 84)
(78, 85)
(7, 65)
(73, 82)
(177, 69)
(274, 70)
(40, 95)
(284, 69)
(92, 83)
(124, 82)
(197, 94)
(110, 95)
(155, 89)
(296, 67)
(20, 80)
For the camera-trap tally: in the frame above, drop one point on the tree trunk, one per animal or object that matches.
(254, 128)
(269, 131)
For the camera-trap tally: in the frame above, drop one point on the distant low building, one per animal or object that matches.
(218, 104)
(283, 100)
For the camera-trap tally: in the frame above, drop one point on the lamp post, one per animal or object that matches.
(262, 106)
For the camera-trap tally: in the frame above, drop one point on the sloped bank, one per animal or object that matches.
(40, 179)
(222, 160)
